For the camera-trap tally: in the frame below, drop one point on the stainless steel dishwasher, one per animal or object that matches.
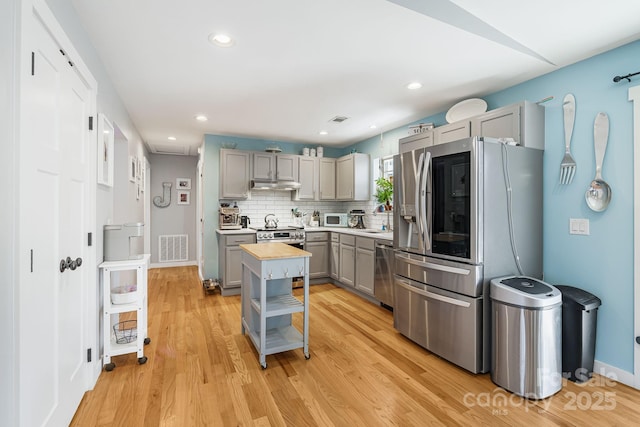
(383, 279)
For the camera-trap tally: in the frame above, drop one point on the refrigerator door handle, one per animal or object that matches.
(418, 204)
(423, 199)
(431, 295)
(433, 266)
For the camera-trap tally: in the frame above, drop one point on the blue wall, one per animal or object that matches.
(601, 263)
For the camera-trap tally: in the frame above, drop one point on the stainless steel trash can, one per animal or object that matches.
(526, 341)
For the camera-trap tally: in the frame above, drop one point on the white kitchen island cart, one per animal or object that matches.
(267, 300)
(124, 290)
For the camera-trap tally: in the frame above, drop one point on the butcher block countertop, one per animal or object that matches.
(267, 251)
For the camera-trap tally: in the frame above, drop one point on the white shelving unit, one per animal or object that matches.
(113, 275)
(267, 301)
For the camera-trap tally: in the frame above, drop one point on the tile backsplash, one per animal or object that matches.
(280, 204)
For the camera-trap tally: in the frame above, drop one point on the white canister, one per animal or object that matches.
(305, 151)
(320, 151)
(312, 152)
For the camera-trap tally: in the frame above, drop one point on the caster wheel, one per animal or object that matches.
(142, 360)
(307, 356)
(109, 367)
(147, 341)
(264, 366)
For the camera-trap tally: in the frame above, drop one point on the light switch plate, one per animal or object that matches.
(579, 226)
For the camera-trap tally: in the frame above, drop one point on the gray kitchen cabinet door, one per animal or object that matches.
(327, 178)
(264, 166)
(308, 173)
(499, 123)
(347, 264)
(414, 142)
(353, 177)
(452, 132)
(234, 174)
(319, 261)
(334, 263)
(233, 267)
(287, 167)
(365, 264)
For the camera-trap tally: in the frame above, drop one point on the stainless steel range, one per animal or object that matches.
(289, 235)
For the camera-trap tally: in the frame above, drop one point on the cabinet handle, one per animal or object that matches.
(270, 275)
(301, 271)
(286, 272)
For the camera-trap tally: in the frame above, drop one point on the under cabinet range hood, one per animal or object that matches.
(265, 184)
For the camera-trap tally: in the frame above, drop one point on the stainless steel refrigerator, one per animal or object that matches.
(465, 212)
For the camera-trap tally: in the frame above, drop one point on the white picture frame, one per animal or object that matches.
(138, 169)
(133, 164)
(184, 197)
(183, 184)
(143, 173)
(105, 153)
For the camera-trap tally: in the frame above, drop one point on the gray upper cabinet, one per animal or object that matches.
(275, 166)
(234, 174)
(353, 177)
(414, 142)
(308, 174)
(327, 178)
(524, 122)
(452, 132)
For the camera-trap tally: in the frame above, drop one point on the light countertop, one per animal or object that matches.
(267, 251)
(374, 234)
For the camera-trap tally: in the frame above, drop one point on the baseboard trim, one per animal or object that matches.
(173, 264)
(616, 374)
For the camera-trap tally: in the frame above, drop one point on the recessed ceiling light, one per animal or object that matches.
(221, 40)
(171, 138)
(201, 118)
(323, 132)
(414, 86)
(373, 127)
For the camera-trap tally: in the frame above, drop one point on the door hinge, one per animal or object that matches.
(88, 355)
(90, 122)
(89, 239)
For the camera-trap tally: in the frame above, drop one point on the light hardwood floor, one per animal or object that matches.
(202, 371)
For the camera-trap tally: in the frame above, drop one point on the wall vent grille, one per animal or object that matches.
(173, 247)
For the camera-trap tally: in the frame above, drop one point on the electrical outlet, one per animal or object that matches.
(579, 226)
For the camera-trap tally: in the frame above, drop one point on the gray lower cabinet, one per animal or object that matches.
(230, 261)
(347, 260)
(365, 264)
(334, 261)
(318, 244)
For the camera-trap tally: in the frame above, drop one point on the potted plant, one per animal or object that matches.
(384, 191)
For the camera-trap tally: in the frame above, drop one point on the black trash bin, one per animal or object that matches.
(579, 317)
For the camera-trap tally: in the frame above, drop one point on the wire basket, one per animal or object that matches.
(126, 331)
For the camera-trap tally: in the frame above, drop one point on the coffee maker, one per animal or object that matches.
(230, 218)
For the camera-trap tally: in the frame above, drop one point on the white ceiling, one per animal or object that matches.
(298, 63)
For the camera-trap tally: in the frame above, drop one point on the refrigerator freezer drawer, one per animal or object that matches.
(445, 323)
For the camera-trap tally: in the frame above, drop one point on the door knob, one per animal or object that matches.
(638, 340)
(70, 264)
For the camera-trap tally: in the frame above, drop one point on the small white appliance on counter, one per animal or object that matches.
(336, 220)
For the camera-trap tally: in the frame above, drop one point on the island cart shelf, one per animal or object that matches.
(267, 301)
(124, 290)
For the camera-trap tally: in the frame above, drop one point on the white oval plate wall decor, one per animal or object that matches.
(465, 109)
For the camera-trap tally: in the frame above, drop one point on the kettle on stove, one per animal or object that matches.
(270, 221)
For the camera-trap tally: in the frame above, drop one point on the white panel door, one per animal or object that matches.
(54, 213)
